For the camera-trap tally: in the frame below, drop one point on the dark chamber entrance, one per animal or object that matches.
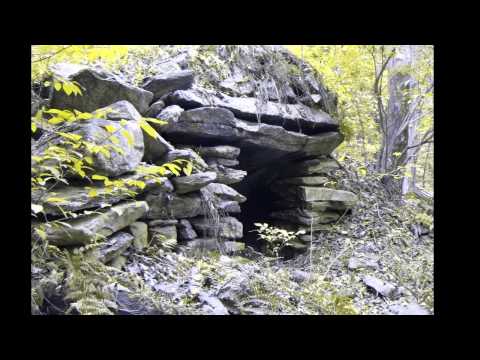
(257, 208)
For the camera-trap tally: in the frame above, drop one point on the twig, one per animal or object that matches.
(52, 55)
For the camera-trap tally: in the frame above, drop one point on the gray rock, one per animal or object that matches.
(139, 230)
(187, 154)
(223, 162)
(230, 207)
(155, 109)
(121, 110)
(220, 151)
(355, 263)
(170, 114)
(212, 304)
(77, 198)
(290, 116)
(300, 276)
(379, 286)
(160, 223)
(186, 184)
(186, 231)
(227, 227)
(227, 175)
(305, 217)
(168, 206)
(311, 194)
(117, 162)
(304, 180)
(216, 124)
(156, 148)
(410, 309)
(113, 247)
(161, 234)
(119, 262)
(85, 229)
(100, 89)
(224, 192)
(211, 244)
(319, 166)
(165, 83)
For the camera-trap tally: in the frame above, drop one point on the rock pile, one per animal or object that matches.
(229, 137)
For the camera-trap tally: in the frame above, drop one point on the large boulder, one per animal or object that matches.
(120, 110)
(165, 83)
(88, 228)
(100, 89)
(186, 184)
(226, 228)
(296, 117)
(265, 142)
(78, 198)
(120, 155)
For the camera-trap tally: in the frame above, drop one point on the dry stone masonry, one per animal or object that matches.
(245, 150)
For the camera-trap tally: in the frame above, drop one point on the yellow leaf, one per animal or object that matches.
(34, 127)
(110, 128)
(92, 193)
(74, 137)
(188, 169)
(114, 139)
(67, 88)
(55, 200)
(156, 121)
(123, 122)
(41, 233)
(128, 136)
(88, 159)
(55, 120)
(99, 177)
(148, 129)
(57, 85)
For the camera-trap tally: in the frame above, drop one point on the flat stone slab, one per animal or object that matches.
(186, 184)
(165, 83)
(217, 124)
(220, 151)
(85, 229)
(290, 116)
